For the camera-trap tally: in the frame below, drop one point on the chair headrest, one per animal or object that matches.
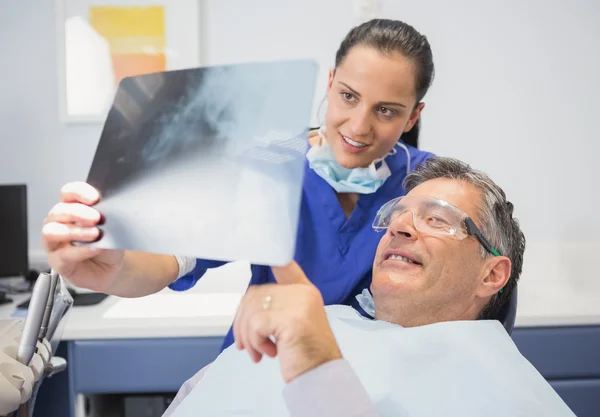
(509, 312)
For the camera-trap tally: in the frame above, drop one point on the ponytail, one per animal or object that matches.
(411, 137)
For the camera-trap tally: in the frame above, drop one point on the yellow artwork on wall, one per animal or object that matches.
(135, 35)
(100, 42)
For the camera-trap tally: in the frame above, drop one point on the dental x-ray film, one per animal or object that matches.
(206, 162)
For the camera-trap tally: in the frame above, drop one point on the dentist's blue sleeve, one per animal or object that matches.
(188, 280)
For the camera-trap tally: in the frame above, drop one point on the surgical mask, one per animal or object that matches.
(366, 302)
(343, 180)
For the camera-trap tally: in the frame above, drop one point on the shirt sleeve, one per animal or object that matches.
(332, 390)
(191, 271)
(186, 265)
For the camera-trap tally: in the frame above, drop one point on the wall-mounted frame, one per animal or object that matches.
(102, 41)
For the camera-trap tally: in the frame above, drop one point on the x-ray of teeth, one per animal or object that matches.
(206, 162)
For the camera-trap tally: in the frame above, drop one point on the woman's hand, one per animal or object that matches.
(74, 219)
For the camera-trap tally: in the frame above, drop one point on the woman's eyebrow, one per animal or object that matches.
(381, 103)
(356, 93)
(391, 103)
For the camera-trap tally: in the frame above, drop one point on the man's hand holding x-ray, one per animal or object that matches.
(286, 320)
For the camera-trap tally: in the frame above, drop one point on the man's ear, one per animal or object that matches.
(414, 116)
(495, 276)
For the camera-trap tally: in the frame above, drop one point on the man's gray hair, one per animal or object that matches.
(496, 221)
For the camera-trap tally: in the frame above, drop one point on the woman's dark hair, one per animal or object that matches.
(393, 36)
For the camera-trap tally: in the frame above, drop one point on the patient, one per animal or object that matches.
(449, 258)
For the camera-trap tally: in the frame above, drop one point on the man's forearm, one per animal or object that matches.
(331, 390)
(144, 274)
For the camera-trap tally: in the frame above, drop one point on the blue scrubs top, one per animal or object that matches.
(335, 252)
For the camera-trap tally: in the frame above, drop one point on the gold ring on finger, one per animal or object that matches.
(267, 302)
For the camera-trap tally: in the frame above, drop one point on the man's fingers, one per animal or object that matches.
(269, 348)
(255, 355)
(255, 304)
(73, 213)
(261, 325)
(290, 274)
(79, 192)
(246, 337)
(237, 336)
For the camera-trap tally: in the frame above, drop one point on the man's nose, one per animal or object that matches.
(360, 122)
(403, 225)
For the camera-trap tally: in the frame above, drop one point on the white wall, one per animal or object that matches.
(516, 94)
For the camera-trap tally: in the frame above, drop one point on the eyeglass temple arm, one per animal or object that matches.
(473, 230)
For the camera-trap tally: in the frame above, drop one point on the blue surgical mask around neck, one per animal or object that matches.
(366, 302)
(343, 180)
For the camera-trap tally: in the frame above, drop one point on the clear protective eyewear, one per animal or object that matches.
(431, 216)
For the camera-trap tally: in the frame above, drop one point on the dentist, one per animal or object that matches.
(357, 161)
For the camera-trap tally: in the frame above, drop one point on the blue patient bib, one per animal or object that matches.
(461, 368)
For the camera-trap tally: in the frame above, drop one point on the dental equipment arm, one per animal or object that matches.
(33, 321)
(49, 304)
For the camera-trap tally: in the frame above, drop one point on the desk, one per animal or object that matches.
(137, 355)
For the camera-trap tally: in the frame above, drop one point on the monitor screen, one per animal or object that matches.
(14, 260)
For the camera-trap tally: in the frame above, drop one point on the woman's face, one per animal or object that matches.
(371, 102)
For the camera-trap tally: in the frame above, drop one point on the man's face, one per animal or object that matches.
(445, 283)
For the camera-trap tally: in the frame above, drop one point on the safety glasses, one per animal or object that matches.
(431, 216)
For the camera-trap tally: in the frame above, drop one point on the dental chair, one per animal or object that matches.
(27, 346)
(509, 312)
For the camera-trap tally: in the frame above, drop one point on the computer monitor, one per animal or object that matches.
(14, 248)
(14, 257)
